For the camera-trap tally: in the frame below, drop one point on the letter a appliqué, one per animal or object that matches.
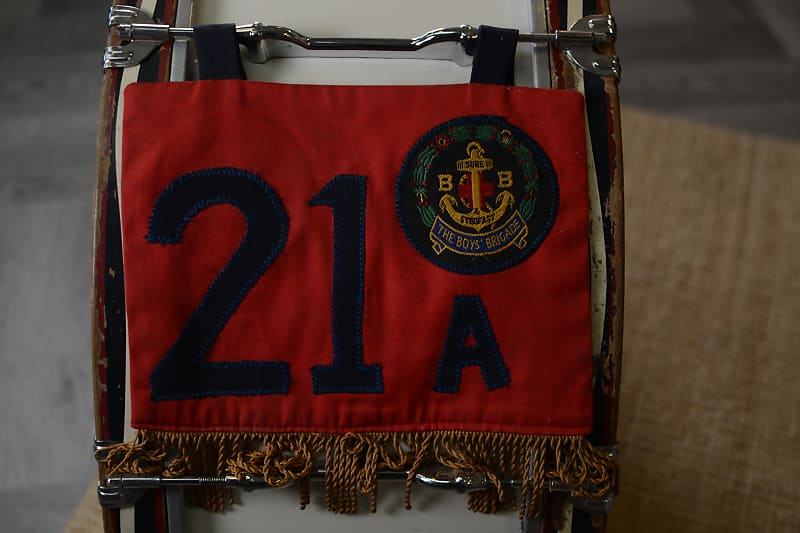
(470, 342)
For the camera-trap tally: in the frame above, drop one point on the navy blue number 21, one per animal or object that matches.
(183, 371)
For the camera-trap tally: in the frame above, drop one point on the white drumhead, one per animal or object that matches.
(370, 18)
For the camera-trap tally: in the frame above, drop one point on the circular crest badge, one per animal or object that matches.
(476, 195)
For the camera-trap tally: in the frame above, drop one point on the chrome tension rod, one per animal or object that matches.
(126, 489)
(582, 43)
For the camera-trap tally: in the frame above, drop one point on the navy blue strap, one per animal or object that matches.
(218, 52)
(494, 56)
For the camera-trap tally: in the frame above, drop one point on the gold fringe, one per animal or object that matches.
(353, 460)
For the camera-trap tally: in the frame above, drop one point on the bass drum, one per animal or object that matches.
(433, 509)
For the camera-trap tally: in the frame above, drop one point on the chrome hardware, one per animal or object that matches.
(587, 58)
(141, 36)
(458, 480)
(124, 490)
(612, 451)
(101, 448)
(118, 15)
(136, 49)
(266, 42)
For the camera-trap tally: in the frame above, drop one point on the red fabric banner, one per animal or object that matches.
(454, 243)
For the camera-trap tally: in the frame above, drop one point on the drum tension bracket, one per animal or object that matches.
(124, 490)
(587, 42)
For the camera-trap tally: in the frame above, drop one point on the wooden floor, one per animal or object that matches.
(733, 63)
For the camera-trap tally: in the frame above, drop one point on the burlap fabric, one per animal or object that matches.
(710, 408)
(710, 419)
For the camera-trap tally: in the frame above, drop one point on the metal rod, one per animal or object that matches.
(140, 36)
(257, 32)
(125, 489)
(470, 483)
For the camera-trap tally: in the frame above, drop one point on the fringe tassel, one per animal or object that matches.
(353, 460)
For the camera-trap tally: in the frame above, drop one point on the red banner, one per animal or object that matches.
(334, 259)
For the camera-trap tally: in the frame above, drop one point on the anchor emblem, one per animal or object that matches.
(471, 190)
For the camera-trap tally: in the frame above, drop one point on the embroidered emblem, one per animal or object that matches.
(476, 195)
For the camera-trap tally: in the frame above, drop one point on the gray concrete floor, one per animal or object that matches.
(49, 93)
(734, 63)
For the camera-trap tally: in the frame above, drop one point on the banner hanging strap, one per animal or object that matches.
(218, 52)
(494, 56)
